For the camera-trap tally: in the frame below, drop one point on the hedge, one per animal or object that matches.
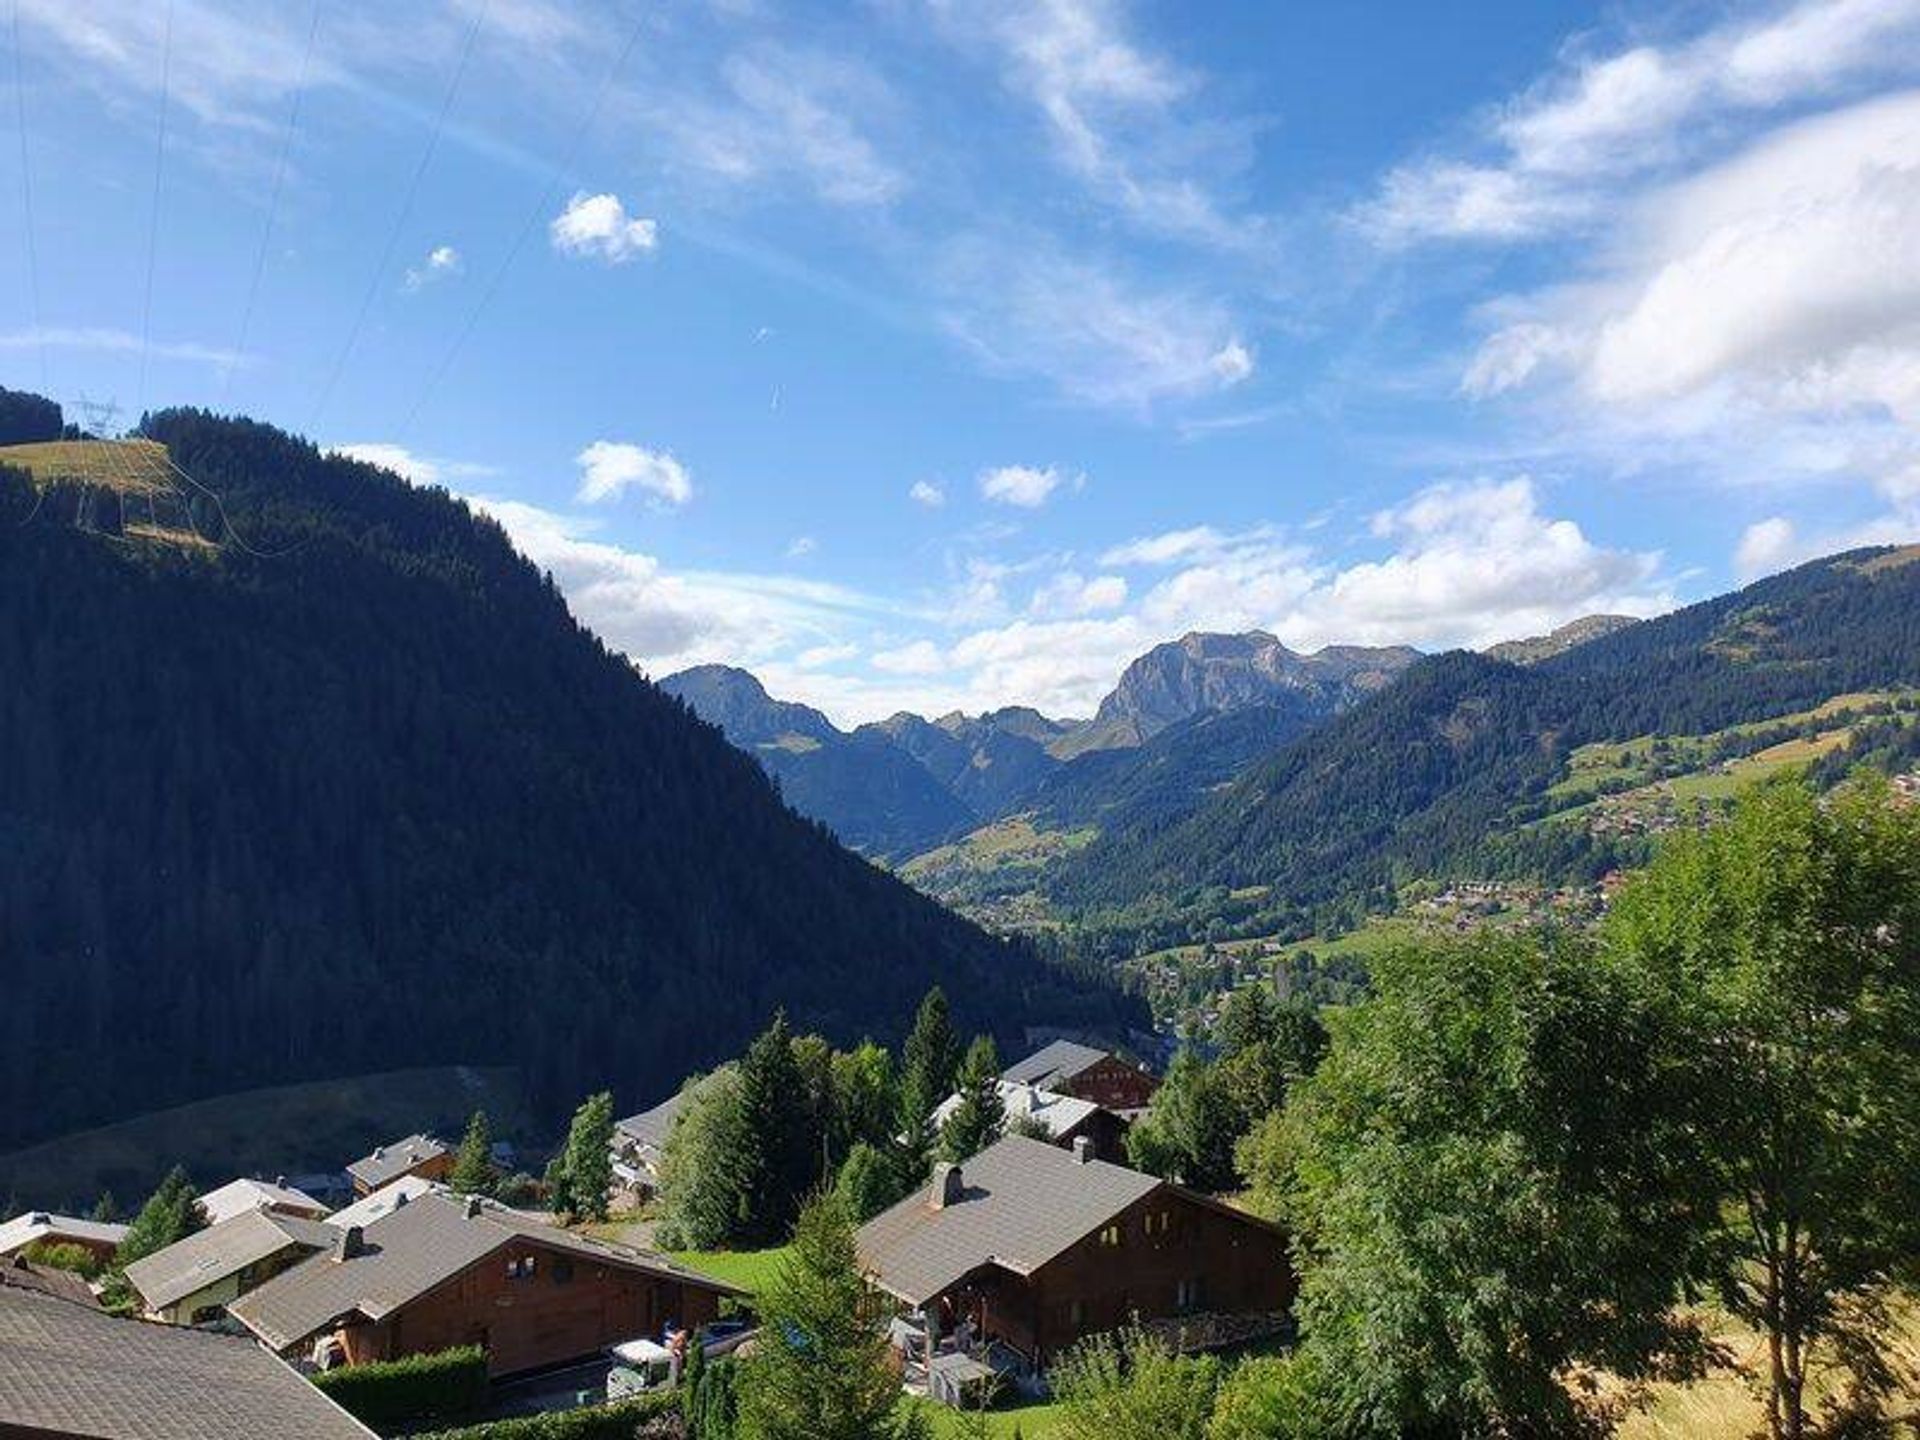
(618, 1421)
(387, 1392)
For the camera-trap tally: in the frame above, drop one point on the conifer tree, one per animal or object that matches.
(171, 1214)
(980, 1117)
(928, 1064)
(775, 1168)
(819, 1369)
(584, 1169)
(473, 1169)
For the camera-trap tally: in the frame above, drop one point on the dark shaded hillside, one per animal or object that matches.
(1436, 771)
(363, 795)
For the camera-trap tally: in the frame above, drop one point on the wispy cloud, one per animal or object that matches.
(1552, 156)
(109, 340)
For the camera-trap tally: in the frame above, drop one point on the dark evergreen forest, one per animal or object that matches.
(351, 790)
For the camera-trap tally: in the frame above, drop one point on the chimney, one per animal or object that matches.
(348, 1243)
(399, 1199)
(379, 1152)
(473, 1207)
(1082, 1149)
(281, 1181)
(949, 1186)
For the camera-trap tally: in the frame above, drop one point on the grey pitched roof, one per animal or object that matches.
(1058, 1113)
(20, 1273)
(1049, 1065)
(68, 1369)
(36, 1225)
(1024, 1203)
(395, 1159)
(408, 1252)
(649, 1128)
(212, 1254)
(247, 1194)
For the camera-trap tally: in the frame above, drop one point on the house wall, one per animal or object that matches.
(1234, 1264)
(532, 1320)
(206, 1304)
(437, 1168)
(1106, 1131)
(1113, 1083)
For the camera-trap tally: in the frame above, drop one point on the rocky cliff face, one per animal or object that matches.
(1201, 672)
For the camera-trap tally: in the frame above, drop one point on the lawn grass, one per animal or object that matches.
(749, 1269)
(280, 1130)
(1035, 1421)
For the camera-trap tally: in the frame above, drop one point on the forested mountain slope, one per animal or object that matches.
(357, 792)
(1450, 763)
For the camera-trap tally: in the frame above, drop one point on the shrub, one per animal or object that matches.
(58, 1255)
(451, 1382)
(648, 1415)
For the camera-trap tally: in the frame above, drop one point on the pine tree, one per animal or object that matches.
(585, 1166)
(928, 1063)
(978, 1120)
(776, 1166)
(473, 1169)
(819, 1369)
(171, 1214)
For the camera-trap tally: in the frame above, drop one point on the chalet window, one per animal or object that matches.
(562, 1270)
(520, 1267)
(1077, 1314)
(1160, 1223)
(1187, 1295)
(1110, 1235)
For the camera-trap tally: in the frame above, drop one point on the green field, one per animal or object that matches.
(283, 1130)
(1015, 841)
(128, 466)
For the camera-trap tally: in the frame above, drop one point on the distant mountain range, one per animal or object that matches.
(325, 780)
(900, 786)
(1470, 765)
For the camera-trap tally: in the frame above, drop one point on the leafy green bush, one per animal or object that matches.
(451, 1382)
(621, 1420)
(60, 1255)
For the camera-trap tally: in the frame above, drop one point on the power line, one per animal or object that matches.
(400, 220)
(273, 204)
(542, 203)
(153, 219)
(26, 201)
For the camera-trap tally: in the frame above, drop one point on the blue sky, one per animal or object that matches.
(948, 353)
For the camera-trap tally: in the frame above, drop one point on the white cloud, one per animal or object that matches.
(1560, 149)
(609, 468)
(1765, 312)
(666, 620)
(1232, 363)
(408, 465)
(925, 492)
(1765, 546)
(1070, 593)
(442, 261)
(599, 227)
(922, 657)
(801, 546)
(821, 657)
(1025, 486)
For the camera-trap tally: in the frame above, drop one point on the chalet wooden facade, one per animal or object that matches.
(441, 1271)
(1085, 1073)
(1038, 1248)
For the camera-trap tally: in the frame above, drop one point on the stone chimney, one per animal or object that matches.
(348, 1243)
(473, 1207)
(949, 1186)
(1082, 1149)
